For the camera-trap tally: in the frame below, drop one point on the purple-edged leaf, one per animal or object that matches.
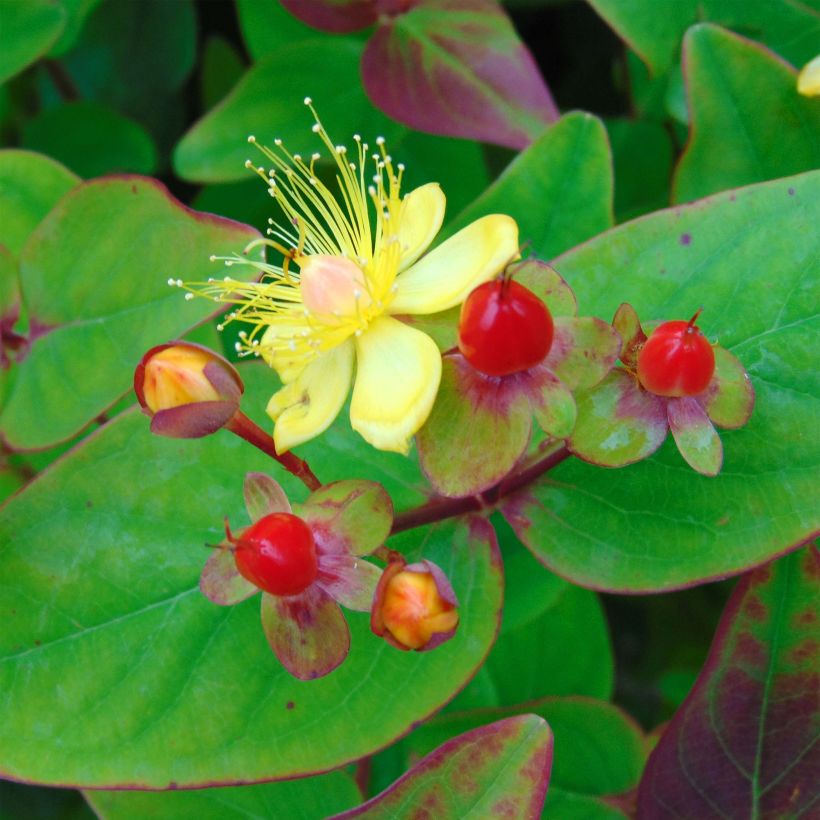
(547, 284)
(339, 16)
(458, 68)
(618, 422)
(628, 326)
(349, 580)
(93, 321)
(694, 434)
(307, 632)
(263, 496)
(221, 582)
(550, 399)
(746, 742)
(349, 516)
(583, 351)
(193, 420)
(479, 427)
(730, 397)
(499, 770)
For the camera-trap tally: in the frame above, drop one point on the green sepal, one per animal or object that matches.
(694, 434)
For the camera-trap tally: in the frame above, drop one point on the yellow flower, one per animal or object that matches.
(808, 81)
(360, 263)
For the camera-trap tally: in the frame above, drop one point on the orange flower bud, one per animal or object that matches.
(414, 606)
(188, 390)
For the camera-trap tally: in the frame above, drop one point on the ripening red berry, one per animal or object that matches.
(504, 328)
(278, 554)
(676, 360)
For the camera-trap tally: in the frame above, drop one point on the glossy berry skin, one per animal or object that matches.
(504, 328)
(676, 360)
(277, 554)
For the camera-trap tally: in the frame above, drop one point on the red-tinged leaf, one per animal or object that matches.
(618, 422)
(458, 68)
(221, 582)
(263, 496)
(547, 284)
(730, 397)
(550, 400)
(351, 516)
(349, 580)
(745, 741)
(499, 770)
(479, 427)
(628, 326)
(307, 632)
(339, 16)
(583, 351)
(694, 434)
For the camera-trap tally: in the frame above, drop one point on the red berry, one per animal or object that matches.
(676, 360)
(278, 554)
(504, 328)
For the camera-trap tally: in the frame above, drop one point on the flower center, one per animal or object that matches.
(333, 285)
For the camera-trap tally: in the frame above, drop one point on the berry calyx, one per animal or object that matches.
(277, 554)
(504, 328)
(676, 360)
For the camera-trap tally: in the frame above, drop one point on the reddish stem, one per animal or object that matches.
(440, 507)
(254, 434)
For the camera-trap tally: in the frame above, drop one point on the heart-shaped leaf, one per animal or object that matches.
(656, 525)
(742, 91)
(91, 319)
(745, 742)
(457, 67)
(30, 185)
(128, 553)
(495, 770)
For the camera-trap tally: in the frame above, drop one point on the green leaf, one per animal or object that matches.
(76, 12)
(30, 185)
(91, 322)
(91, 139)
(750, 257)
(30, 28)
(601, 749)
(267, 102)
(563, 649)
(559, 190)
(107, 67)
(565, 805)
(642, 155)
(268, 27)
(792, 29)
(495, 769)
(744, 742)
(186, 691)
(478, 428)
(747, 95)
(618, 422)
(306, 799)
(221, 69)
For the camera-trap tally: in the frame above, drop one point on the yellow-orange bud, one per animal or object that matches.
(415, 606)
(189, 390)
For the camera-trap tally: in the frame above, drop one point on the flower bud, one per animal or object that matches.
(188, 390)
(414, 606)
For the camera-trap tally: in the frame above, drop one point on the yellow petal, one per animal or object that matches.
(308, 405)
(397, 378)
(808, 81)
(420, 218)
(446, 275)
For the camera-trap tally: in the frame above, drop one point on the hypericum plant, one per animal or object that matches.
(338, 295)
